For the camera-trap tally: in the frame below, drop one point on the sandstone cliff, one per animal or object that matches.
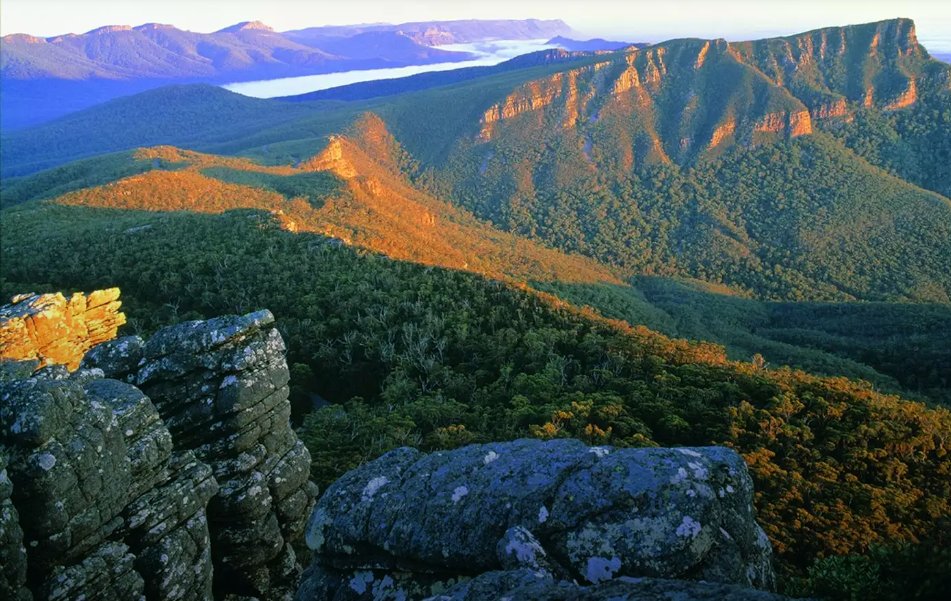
(164, 469)
(57, 330)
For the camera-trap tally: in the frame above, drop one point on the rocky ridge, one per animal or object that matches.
(691, 96)
(164, 469)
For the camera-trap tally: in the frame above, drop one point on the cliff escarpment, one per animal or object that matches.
(160, 469)
(869, 65)
(674, 101)
(682, 100)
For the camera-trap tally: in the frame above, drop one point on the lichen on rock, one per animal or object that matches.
(590, 515)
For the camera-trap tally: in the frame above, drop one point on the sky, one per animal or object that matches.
(629, 20)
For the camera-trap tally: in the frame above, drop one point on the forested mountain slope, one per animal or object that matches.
(438, 358)
(898, 347)
(352, 192)
(801, 197)
(789, 168)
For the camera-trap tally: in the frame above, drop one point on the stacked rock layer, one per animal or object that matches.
(164, 469)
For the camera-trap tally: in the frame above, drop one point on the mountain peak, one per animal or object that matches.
(153, 26)
(24, 38)
(109, 29)
(898, 30)
(246, 26)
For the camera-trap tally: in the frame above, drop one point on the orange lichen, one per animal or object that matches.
(57, 330)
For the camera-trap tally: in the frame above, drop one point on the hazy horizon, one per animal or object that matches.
(630, 20)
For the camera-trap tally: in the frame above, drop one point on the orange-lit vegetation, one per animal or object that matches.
(374, 208)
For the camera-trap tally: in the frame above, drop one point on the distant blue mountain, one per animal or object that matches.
(592, 45)
(44, 78)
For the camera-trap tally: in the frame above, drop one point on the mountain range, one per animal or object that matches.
(439, 33)
(802, 168)
(85, 69)
(592, 45)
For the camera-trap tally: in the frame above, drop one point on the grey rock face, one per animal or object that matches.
(414, 524)
(84, 452)
(541, 586)
(190, 486)
(12, 553)
(221, 386)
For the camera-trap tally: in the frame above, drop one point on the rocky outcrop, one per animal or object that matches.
(530, 97)
(88, 459)
(907, 98)
(410, 525)
(792, 124)
(721, 132)
(55, 330)
(164, 469)
(539, 585)
(221, 388)
(830, 110)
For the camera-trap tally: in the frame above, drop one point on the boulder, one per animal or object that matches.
(415, 524)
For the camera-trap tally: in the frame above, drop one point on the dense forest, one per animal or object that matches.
(899, 347)
(807, 220)
(414, 355)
